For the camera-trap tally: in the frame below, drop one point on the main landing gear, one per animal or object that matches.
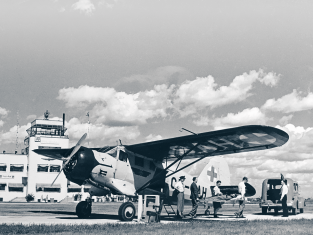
(83, 209)
(127, 211)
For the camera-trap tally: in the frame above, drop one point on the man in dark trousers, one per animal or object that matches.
(194, 196)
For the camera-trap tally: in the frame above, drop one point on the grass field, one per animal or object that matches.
(193, 227)
(107, 211)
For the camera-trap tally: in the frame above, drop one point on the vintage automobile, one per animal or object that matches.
(270, 198)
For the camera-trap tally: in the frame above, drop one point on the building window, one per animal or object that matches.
(48, 188)
(3, 167)
(139, 161)
(2, 187)
(16, 189)
(55, 168)
(42, 168)
(17, 167)
(74, 190)
(52, 190)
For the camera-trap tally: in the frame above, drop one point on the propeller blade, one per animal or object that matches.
(77, 147)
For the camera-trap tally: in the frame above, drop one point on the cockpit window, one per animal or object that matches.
(123, 156)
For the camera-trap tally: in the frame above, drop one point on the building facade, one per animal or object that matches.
(30, 173)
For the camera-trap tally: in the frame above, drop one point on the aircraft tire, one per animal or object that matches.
(207, 212)
(301, 210)
(264, 210)
(83, 210)
(294, 211)
(127, 211)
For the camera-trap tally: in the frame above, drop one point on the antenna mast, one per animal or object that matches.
(88, 128)
(17, 127)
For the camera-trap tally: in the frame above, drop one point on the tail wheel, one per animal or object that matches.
(83, 210)
(127, 211)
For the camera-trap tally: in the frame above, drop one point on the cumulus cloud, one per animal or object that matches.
(31, 117)
(293, 102)
(285, 120)
(119, 108)
(152, 137)
(100, 135)
(247, 116)
(167, 75)
(85, 6)
(205, 93)
(9, 137)
(3, 112)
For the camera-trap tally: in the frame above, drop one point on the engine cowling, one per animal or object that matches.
(79, 168)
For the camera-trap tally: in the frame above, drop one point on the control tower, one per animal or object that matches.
(46, 134)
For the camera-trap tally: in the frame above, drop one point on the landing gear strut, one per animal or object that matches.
(83, 209)
(127, 211)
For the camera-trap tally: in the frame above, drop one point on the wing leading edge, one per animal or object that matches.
(221, 142)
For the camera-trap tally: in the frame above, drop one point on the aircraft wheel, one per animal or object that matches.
(301, 210)
(83, 210)
(294, 211)
(207, 212)
(276, 211)
(264, 210)
(127, 211)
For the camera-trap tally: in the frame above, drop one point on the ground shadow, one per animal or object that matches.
(74, 216)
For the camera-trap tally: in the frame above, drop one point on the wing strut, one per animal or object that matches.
(155, 178)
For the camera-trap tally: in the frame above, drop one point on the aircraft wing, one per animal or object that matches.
(221, 142)
(59, 154)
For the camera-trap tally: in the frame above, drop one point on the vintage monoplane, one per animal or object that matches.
(153, 167)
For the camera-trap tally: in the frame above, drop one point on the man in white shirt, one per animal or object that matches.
(217, 192)
(179, 186)
(242, 200)
(283, 198)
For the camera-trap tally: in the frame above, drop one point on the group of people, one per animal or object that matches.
(194, 196)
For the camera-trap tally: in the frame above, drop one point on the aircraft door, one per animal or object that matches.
(122, 169)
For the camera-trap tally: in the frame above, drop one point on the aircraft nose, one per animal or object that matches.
(80, 167)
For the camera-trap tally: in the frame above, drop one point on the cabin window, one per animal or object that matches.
(3, 167)
(139, 161)
(55, 168)
(42, 168)
(123, 156)
(152, 166)
(17, 167)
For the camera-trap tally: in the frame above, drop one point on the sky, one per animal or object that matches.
(145, 69)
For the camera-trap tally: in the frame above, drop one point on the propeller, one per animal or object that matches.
(77, 147)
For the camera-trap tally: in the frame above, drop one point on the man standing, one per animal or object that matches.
(194, 195)
(179, 186)
(242, 200)
(217, 192)
(283, 198)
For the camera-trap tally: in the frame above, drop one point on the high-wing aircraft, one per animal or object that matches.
(153, 167)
